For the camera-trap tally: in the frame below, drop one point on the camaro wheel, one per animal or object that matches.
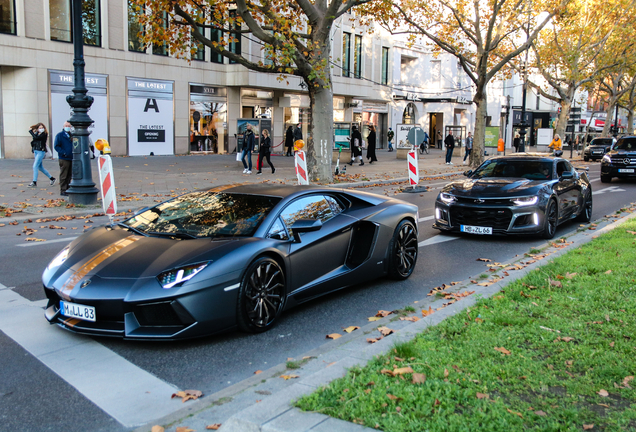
(586, 211)
(551, 220)
(261, 296)
(403, 251)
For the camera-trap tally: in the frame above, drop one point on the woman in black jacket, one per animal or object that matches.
(371, 145)
(38, 147)
(289, 140)
(264, 152)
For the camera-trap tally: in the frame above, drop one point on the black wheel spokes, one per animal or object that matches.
(265, 289)
(552, 218)
(406, 249)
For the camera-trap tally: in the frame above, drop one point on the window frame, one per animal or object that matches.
(346, 54)
(235, 47)
(384, 80)
(98, 20)
(200, 46)
(130, 14)
(357, 56)
(214, 56)
(163, 46)
(12, 22)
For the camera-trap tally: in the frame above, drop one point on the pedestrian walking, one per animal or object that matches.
(298, 133)
(439, 139)
(356, 146)
(469, 147)
(449, 142)
(389, 135)
(556, 145)
(248, 145)
(516, 142)
(64, 148)
(371, 145)
(264, 151)
(289, 141)
(39, 149)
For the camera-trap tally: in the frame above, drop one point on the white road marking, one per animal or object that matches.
(437, 239)
(424, 219)
(124, 391)
(65, 239)
(608, 189)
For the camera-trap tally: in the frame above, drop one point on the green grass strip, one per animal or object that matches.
(550, 381)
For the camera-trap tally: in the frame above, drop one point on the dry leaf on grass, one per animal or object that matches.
(333, 336)
(502, 350)
(514, 412)
(187, 395)
(540, 413)
(418, 378)
(482, 396)
(603, 393)
(394, 398)
(588, 426)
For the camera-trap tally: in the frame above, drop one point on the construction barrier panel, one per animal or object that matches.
(107, 182)
(301, 168)
(414, 171)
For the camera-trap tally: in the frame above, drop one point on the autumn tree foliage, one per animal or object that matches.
(483, 35)
(294, 35)
(584, 46)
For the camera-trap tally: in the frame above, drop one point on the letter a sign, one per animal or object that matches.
(151, 104)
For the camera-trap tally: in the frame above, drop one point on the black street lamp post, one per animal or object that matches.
(82, 189)
(615, 134)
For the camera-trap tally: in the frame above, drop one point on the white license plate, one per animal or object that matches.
(476, 229)
(79, 311)
(625, 170)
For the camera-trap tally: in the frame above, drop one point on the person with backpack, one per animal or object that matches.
(356, 146)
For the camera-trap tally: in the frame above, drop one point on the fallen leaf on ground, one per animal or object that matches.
(394, 398)
(502, 350)
(540, 413)
(419, 378)
(258, 371)
(157, 428)
(351, 328)
(374, 318)
(603, 393)
(383, 313)
(445, 373)
(484, 259)
(374, 340)
(556, 283)
(184, 429)
(334, 336)
(570, 275)
(514, 412)
(402, 370)
(187, 395)
(412, 319)
(385, 331)
(588, 426)
(482, 396)
(608, 272)
(426, 313)
(627, 380)
(287, 377)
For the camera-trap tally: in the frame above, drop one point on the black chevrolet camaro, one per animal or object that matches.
(518, 194)
(228, 257)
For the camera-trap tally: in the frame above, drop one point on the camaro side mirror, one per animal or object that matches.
(305, 225)
(567, 175)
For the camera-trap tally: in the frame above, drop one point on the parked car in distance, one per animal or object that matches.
(517, 194)
(620, 161)
(597, 148)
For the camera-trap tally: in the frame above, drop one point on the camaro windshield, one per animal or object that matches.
(205, 214)
(628, 144)
(528, 169)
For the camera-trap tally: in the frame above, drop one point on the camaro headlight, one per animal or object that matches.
(525, 201)
(607, 159)
(177, 276)
(447, 198)
(59, 259)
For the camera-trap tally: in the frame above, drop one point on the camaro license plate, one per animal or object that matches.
(626, 170)
(476, 229)
(75, 310)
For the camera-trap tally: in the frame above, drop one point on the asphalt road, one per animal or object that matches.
(40, 392)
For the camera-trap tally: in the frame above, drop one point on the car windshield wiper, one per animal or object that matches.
(128, 227)
(176, 234)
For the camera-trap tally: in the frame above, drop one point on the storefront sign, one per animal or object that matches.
(401, 135)
(61, 85)
(150, 117)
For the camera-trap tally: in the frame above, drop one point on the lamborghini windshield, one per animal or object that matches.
(519, 168)
(205, 214)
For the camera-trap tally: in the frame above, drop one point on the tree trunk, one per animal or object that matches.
(562, 121)
(320, 137)
(479, 139)
(630, 121)
(609, 118)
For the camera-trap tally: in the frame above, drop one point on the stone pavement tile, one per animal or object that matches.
(329, 374)
(335, 425)
(294, 420)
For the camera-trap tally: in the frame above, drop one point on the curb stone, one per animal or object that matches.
(276, 413)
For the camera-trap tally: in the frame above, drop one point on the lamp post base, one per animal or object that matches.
(82, 195)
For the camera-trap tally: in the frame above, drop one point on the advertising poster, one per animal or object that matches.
(342, 133)
(150, 117)
(492, 136)
(544, 136)
(401, 135)
(62, 84)
(242, 127)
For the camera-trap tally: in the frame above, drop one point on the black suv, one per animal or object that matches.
(597, 148)
(620, 161)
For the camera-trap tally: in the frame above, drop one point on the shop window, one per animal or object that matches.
(61, 21)
(7, 16)
(346, 54)
(200, 52)
(216, 36)
(135, 30)
(357, 59)
(235, 37)
(385, 66)
(161, 48)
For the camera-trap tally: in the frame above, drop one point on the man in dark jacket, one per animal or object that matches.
(298, 133)
(248, 146)
(64, 148)
(449, 142)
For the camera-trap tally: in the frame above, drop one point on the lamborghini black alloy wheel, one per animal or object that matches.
(404, 250)
(262, 295)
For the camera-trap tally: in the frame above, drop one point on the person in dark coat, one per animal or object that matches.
(516, 142)
(371, 145)
(356, 146)
(38, 147)
(264, 152)
(289, 141)
(64, 148)
(449, 142)
(248, 146)
(298, 133)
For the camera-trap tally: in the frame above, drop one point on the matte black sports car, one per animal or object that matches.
(212, 260)
(620, 161)
(519, 194)
(597, 148)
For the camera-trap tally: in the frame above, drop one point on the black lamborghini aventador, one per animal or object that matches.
(518, 194)
(212, 260)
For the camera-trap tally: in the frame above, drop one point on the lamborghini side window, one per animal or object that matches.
(312, 207)
(277, 231)
(335, 205)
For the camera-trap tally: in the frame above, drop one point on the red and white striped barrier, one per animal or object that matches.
(107, 183)
(301, 168)
(414, 171)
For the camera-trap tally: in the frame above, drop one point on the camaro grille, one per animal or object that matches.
(496, 218)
